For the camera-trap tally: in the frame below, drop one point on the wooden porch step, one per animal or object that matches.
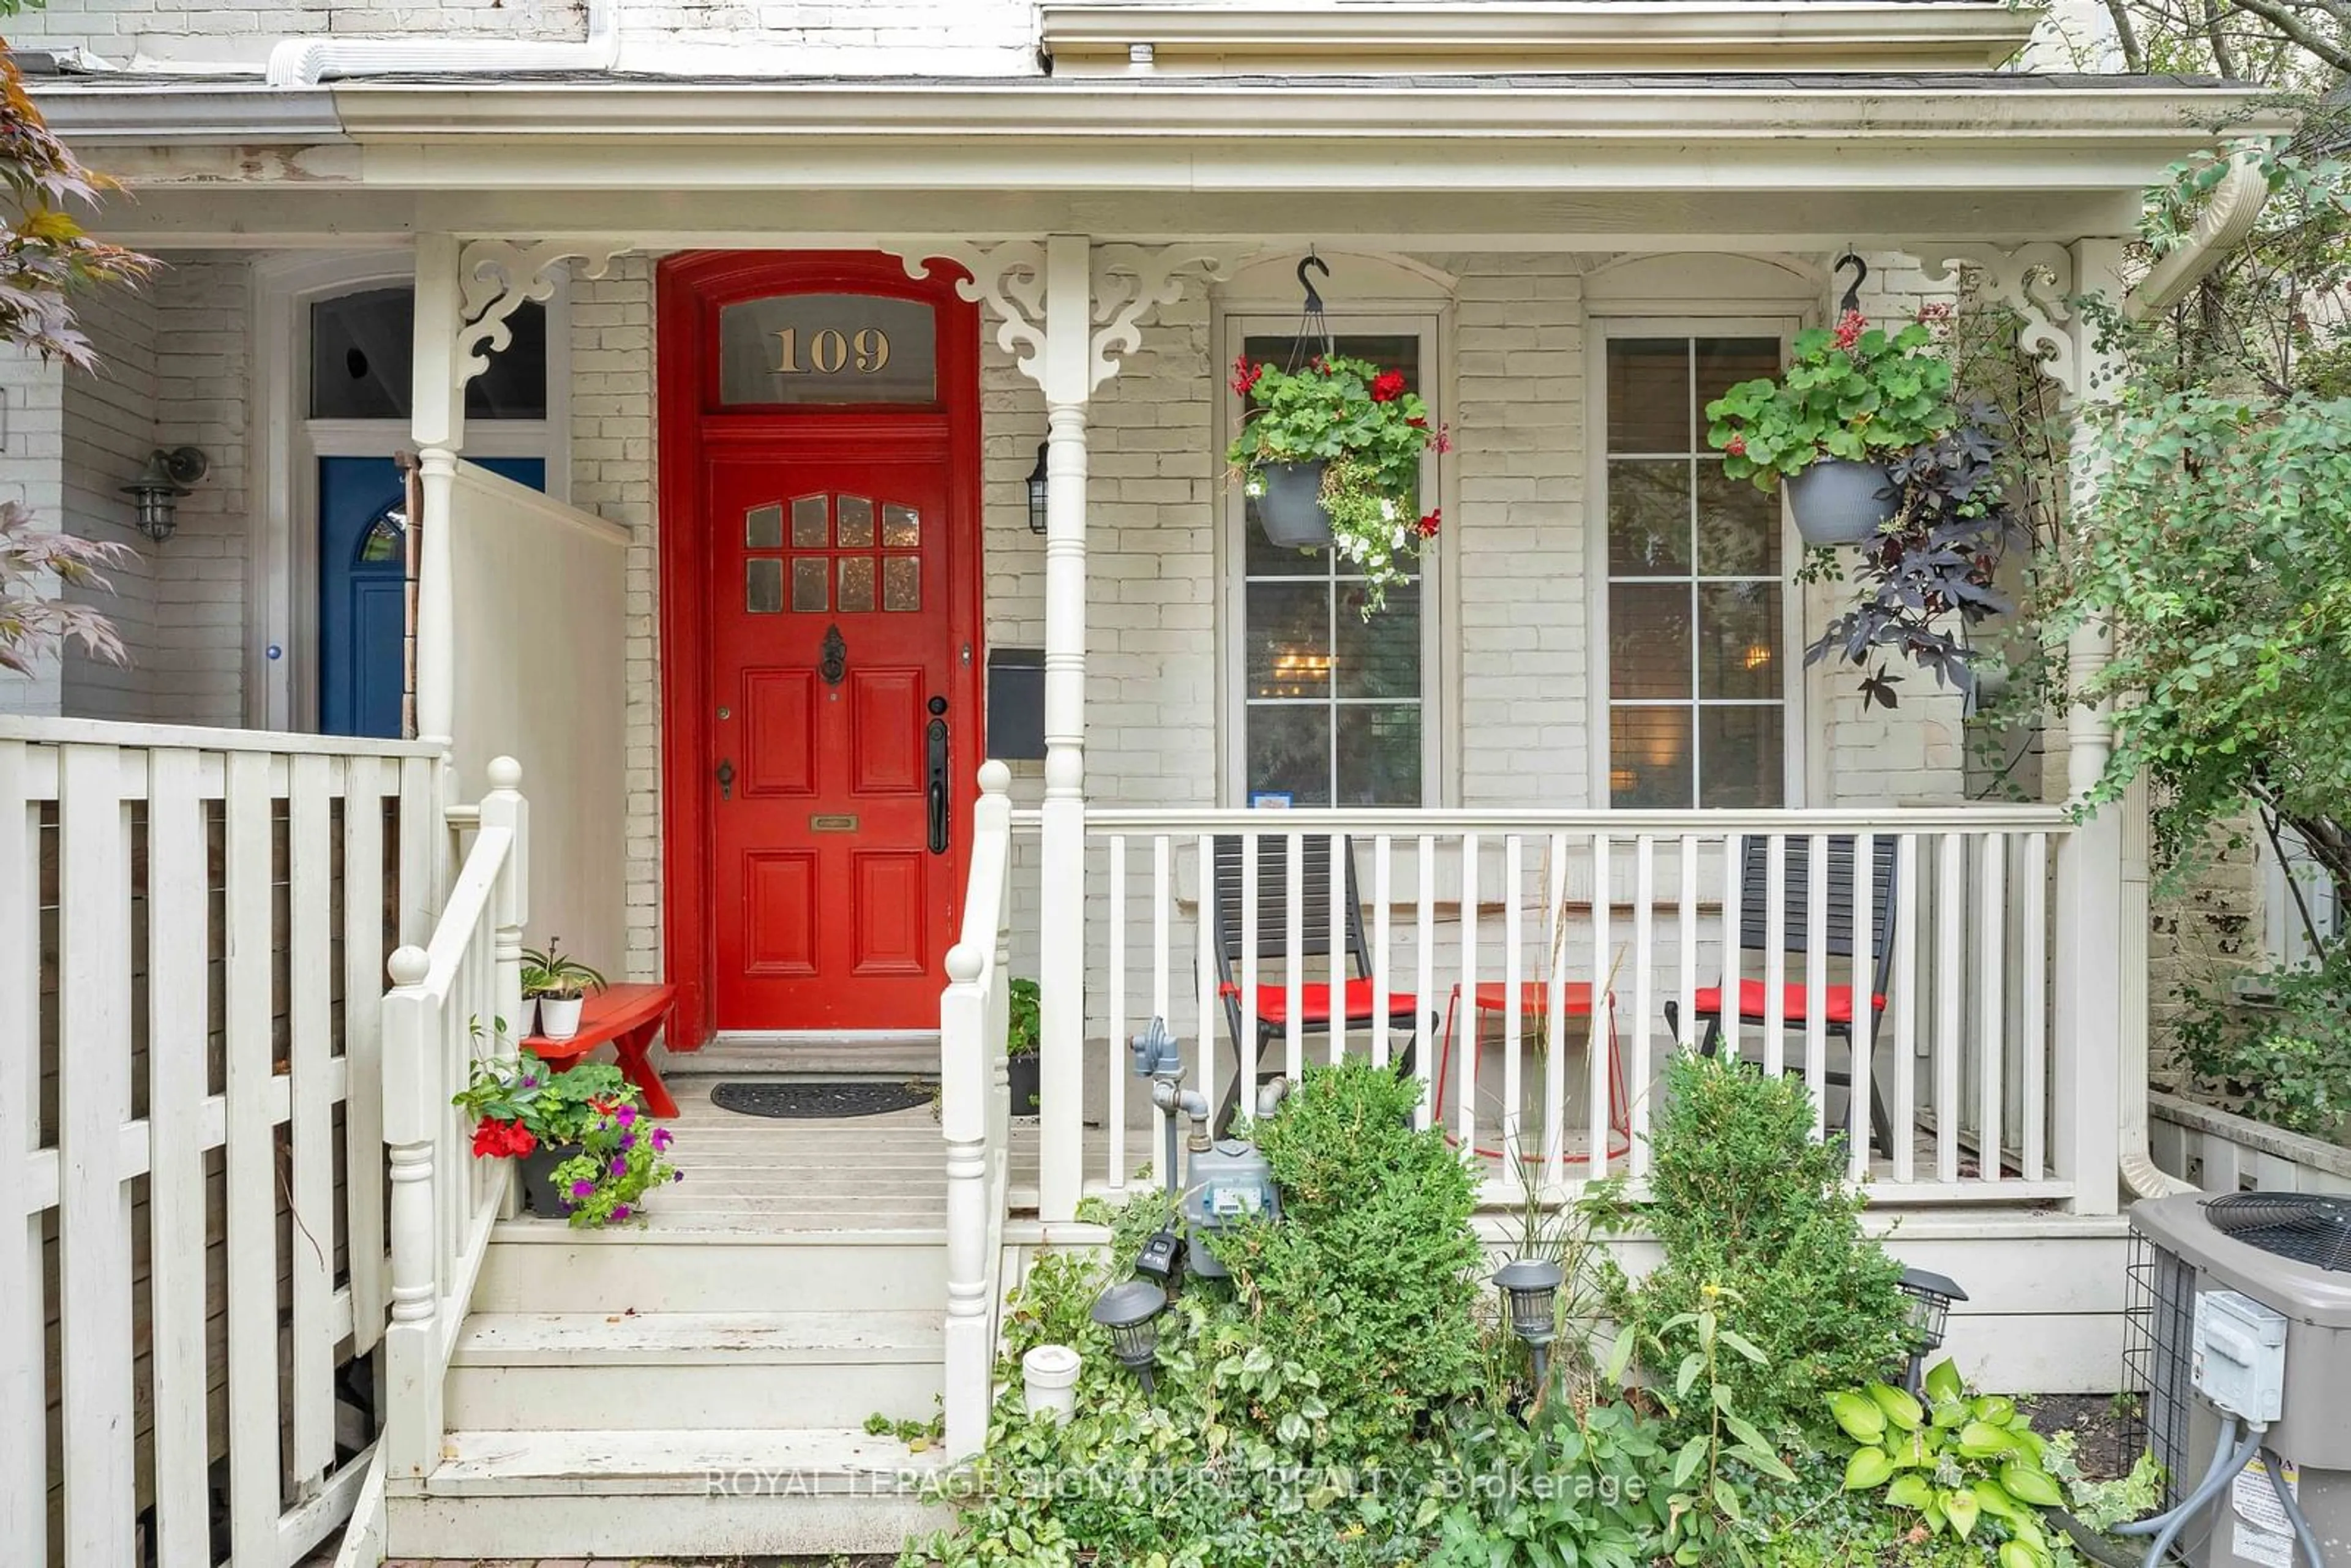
(765, 1371)
(534, 1266)
(699, 1491)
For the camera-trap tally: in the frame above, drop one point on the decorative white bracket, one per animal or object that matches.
(1128, 282)
(495, 276)
(2034, 280)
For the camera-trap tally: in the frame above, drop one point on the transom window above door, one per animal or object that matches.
(1333, 708)
(837, 554)
(361, 345)
(1697, 671)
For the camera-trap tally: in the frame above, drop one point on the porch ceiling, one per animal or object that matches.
(1545, 159)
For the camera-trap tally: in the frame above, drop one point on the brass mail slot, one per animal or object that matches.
(821, 824)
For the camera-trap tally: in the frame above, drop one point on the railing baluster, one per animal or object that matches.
(1513, 1008)
(1862, 1094)
(1120, 1024)
(1692, 1030)
(1950, 977)
(1595, 1042)
(1991, 1011)
(1383, 890)
(1906, 1005)
(1734, 850)
(1465, 1109)
(1423, 1059)
(1293, 960)
(1816, 979)
(1554, 1018)
(1204, 981)
(1340, 882)
(1636, 1082)
(2033, 983)
(1245, 1048)
(1775, 958)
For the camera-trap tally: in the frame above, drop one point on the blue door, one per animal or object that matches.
(363, 588)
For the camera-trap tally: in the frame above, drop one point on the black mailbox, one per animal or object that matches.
(1016, 704)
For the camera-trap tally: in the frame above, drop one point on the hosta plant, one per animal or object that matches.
(1962, 1463)
(1368, 432)
(1852, 390)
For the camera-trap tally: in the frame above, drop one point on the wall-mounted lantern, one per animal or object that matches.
(1037, 490)
(157, 490)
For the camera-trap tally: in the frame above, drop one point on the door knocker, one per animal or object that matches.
(833, 660)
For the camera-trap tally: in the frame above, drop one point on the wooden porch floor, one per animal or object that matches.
(757, 1175)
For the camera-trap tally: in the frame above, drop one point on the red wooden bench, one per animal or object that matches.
(625, 1017)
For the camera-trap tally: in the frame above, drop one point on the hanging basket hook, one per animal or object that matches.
(1314, 300)
(1851, 301)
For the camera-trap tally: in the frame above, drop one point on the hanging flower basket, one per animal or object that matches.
(1332, 452)
(1837, 501)
(1289, 505)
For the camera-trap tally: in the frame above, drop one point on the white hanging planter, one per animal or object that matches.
(1837, 501)
(1048, 1381)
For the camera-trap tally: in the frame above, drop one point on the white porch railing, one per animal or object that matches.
(192, 928)
(1637, 906)
(2220, 1152)
(450, 1001)
(976, 1114)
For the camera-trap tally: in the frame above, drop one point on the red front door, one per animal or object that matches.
(833, 797)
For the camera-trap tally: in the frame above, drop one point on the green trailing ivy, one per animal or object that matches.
(1960, 1463)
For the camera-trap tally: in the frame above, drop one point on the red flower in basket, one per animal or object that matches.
(1245, 375)
(1387, 386)
(1428, 524)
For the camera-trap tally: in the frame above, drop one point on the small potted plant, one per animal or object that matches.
(1021, 1037)
(1331, 454)
(559, 983)
(1852, 399)
(585, 1145)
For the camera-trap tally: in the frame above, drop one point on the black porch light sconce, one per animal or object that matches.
(1037, 490)
(1131, 1313)
(1930, 1295)
(1530, 1291)
(157, 490)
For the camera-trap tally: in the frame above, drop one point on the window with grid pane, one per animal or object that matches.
(1697, 679)
(1331, 704)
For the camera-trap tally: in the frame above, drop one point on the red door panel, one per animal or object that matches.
(832, 657)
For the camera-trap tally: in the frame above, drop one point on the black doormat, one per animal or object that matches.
(812, 1102)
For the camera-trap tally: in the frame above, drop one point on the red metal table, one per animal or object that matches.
(626, 1017)
(1534, 1002)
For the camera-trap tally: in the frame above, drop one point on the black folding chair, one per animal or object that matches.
(1837, 1000)
(1314, 1007)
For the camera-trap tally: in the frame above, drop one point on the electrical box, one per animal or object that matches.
(1016, 704)
(2239, 1356)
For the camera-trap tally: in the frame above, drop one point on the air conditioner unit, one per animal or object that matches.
(2212, 1278)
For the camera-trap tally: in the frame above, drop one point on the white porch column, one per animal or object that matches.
(1068, 381)
(437, 424)
(2095, 1084)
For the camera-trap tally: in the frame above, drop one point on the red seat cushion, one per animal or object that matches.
(1314, 1003)
(1795, 999)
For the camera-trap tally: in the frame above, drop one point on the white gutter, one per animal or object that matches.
(305, 62)
(2227, 221)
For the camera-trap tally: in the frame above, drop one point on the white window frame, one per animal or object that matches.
(1235, 326)
(2285, 943)
(282, 568)
(1600, 329)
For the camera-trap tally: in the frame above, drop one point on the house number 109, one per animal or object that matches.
(831, 351)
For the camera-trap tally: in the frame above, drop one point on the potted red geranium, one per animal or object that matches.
(587, 1149)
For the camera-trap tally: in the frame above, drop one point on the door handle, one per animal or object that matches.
(936, 745)
(725, 779)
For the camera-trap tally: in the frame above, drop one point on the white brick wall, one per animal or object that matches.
(869, 37)
(109, 428)
(32, 451)
(203, 378)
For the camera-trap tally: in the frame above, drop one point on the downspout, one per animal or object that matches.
(2226, 223)
(305, 62)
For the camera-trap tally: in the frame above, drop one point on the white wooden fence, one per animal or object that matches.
(976, 1114)
(192, 926)
(1635, 905)
(2222, 1153)
(450, 1000)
